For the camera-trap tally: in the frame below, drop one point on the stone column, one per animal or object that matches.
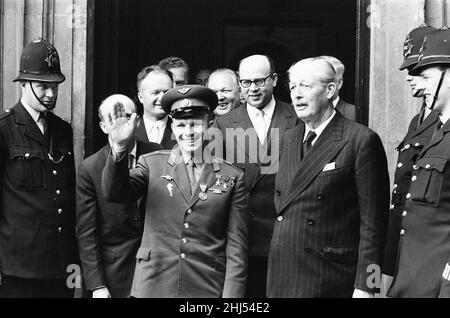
(391, 106)
(65, 24)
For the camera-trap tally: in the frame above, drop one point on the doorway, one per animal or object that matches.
(130, 34)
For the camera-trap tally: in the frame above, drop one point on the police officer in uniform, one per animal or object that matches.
(195, 233)
(419, 133)
(37, 206)
(424, 245)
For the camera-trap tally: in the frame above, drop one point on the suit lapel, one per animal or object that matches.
(430, 120)
(167, 136)
(141, 133)
(179, 173)
(30, 127)
(330, 142)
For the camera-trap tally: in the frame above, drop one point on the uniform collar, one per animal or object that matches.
(33, 112)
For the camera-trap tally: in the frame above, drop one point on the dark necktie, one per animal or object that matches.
(191, 175)
(308, 142)
(43, 120)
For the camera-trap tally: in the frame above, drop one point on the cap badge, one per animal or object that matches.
(407, 46)
(183, 90)
(423, 48)
(52, 59)
(186, 103)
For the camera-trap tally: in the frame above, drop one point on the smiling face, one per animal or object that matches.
(253, 68)
(190, 132)
(45, 92)
(227, 90)
(151, 90)
(312, 86)
(413, 82)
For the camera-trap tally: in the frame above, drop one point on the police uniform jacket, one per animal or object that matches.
(332, 210)
(408, 151)
(190, 247)
(424, 246)
(37, 198)
(109, 234)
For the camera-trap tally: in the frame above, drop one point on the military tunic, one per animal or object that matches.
(37, 197)
(193, 245)
(408, 151)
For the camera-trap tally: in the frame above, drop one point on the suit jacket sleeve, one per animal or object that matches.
(120, 185)
(87, 209)
(372, 184)
(236, 249)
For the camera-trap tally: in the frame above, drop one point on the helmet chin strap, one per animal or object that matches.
(438, 88)
(49, 107)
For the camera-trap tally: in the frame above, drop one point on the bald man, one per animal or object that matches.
(263, 121)
(109, 234)
(225, 83)
(331, 197)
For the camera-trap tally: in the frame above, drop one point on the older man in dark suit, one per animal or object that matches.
(109, 234)
(332, 196)
(254, 143)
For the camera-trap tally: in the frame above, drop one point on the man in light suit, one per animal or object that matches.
(155, 124)
(263, 121)
(109, 234)
(332, 196)
(346, 109)
(195, 234)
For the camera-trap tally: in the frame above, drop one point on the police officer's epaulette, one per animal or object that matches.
(6, 113)
(220, 160)
(157, 153)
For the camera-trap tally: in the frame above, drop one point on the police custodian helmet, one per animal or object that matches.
(189, 100)
(412, 45)
(40, 62)
(435, 50)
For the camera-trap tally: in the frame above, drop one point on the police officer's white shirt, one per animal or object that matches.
(155, 129)
(34, 114)
(261, 118)
(319, 129)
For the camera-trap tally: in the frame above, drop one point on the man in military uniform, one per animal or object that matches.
(195, 233)
(424, 245)
(419, 133)
(37, 198)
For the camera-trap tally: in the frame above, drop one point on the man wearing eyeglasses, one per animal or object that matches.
(262, 121)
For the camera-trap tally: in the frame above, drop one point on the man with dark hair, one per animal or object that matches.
(154, 126)
(37, 195)
(109, 234)
(264, 120)
(178, 67)
(195, 233)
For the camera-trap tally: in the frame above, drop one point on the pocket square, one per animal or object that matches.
(330, 166)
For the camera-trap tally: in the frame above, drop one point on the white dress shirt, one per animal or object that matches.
(319, 129)
(261, 119)
(155, 129)
(34, 114)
